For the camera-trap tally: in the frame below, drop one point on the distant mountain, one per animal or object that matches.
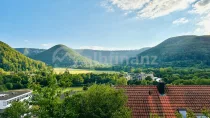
(63, 56)
(29, 51)
(110, 57)
(182, 51)
(102, 56)
(12, 60)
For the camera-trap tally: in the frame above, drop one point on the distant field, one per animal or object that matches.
(81, 71)
(73, 89)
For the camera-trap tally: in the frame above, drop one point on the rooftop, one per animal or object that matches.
(11, 94)
(146, 100)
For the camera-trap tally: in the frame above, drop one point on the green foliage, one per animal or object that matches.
(190, 114)
(182, 51)
(2, 88)
(121, 81)
(206, 112)
(17, 110)
(148, 78)
(154, 116)
(11, 60)
(100, 101)
(177, 76)
(48, 101)
(9, 86)
(85, 88)
(178, 115)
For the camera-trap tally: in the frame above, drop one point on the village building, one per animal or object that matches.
(139, 76)
(6, 98)
(165, 101)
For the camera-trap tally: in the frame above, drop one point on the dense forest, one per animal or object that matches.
(12, 60)
(182, 51)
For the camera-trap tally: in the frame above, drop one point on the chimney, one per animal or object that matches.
(161, 88)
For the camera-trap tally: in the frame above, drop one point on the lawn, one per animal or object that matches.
(81, 71)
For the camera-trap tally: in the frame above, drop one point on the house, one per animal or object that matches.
(165, 101)
(157, 79)
(139, 76)
(6, 98)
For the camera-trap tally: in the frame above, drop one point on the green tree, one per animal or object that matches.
(190, 114)
(9, 86)
(100, 101)
(178, 115)
(48, 101)
(206, 112)
(121, 81)
(17, 110)
(148, 78)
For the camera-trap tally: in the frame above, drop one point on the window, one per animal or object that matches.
(4, 103)
(200, 116)
(183, 112)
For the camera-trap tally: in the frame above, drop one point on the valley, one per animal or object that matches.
(104, 58)
(81, 71)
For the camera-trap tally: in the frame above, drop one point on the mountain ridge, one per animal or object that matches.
(95, 54)
(181, 51)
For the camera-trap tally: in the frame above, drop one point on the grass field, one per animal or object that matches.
(81, 71)
(73, 89)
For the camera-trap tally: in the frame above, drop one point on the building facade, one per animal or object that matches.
(6, 98)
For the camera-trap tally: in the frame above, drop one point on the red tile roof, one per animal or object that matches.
(146, 100)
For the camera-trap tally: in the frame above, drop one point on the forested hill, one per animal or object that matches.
(102, 56)
(29, 51)
(63, 56)
(182, 51)
(110, 57)
(12, 60)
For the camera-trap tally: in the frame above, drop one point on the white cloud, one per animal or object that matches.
(204, 25)
(47, 45)
(129, 4)
(106, 5)
(181, 21)
(150, 8)
(202, 8)
(158, 8)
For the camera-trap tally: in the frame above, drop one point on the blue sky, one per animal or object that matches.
(100, 24)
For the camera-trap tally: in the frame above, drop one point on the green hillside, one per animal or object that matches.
(110, 57)
(62, 56)
(101, 56)
(182, 51)
(12, 60)
(29, 51)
